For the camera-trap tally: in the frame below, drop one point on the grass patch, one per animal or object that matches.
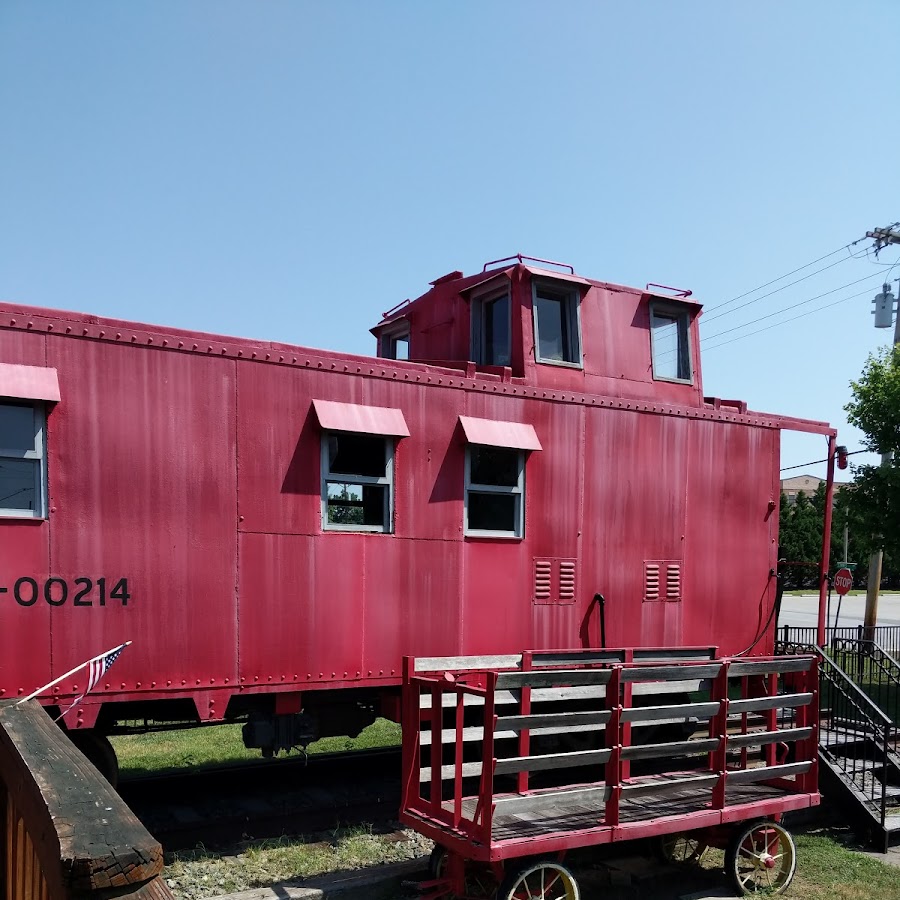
(199, 874)
(198, 748)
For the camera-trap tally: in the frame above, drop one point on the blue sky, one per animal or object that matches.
(290, 170)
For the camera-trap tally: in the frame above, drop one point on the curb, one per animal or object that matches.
(376, 883)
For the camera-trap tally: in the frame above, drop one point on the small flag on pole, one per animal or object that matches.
(98, 666)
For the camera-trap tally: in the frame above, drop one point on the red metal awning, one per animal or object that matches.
(335, 416)
(490, 432)
(29, 382)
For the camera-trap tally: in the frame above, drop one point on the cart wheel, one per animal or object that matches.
(681, 847)
(539, 880)
(761, 858)
(437, 862)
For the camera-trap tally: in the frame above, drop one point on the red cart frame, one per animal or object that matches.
(508, 723)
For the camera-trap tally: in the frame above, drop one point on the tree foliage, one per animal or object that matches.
(875, 407)
(872, 502)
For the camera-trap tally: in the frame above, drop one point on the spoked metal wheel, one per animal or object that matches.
(540, 880)
(681, 847)
(761, 859)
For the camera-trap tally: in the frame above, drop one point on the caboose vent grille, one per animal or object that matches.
(673, 582)
(567, 581)
(543, 572)
(554, 581)
(662, 580)
(651, 581)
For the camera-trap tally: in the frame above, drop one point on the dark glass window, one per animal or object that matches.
(494, 465)
(496, 332)
(556, 325)
(669, 345)
(495, 487)
(356, 454)
(492, 512)
(22, 460)
(491, 340)
(357, 481)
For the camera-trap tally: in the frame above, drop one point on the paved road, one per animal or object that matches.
(804, 610)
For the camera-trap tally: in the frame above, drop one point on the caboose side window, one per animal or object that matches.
(395, 343)
(357, 481)
(557, 338)
(491, 327)
(495, 491)
(669, 343)
(22, 460)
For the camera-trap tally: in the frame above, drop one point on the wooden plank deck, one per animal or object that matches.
(578, 810)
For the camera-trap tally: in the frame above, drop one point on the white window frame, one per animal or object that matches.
(389, 339)
(517, 491)
(682, 318)
(571, 300)
(38, 455)
(478, 310)
(387, 526)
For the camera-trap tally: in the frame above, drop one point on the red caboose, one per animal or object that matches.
(276, 527)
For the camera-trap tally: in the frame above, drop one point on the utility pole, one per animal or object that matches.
(884, 318)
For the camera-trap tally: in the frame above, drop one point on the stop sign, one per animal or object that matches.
(843, 581)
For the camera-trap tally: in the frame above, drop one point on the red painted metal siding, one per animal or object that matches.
(142, 486)
(190, 465)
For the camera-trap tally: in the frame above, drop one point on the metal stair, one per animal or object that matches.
(857, 744)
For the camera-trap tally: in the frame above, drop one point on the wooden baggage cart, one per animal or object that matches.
(509, 762)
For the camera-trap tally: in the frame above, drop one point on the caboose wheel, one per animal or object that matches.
(681, 847)
(539, 880)
(761, 858)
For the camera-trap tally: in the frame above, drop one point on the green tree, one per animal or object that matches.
(873, 500)
(800, 542)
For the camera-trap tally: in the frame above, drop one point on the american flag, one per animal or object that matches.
(97, 668)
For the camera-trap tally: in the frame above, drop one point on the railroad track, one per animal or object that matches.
(221, 807)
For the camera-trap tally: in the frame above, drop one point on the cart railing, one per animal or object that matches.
(485, 744)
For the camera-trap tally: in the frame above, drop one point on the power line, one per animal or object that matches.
(740, 337)
(784, 287)
(778, 312)
(788, 274)
(815, 462)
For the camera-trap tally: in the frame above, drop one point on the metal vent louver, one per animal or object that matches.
(543, 573)
(567, 581)
(651, 581)
(673, 582)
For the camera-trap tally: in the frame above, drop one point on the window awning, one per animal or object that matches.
(335, 416)
(29, 382)
(491, 433)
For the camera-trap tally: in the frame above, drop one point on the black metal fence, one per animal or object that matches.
(886, 636)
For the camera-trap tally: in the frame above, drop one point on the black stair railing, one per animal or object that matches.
(854, 734)
(873, 669)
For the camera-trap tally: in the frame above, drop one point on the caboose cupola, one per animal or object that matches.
(538, 322)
